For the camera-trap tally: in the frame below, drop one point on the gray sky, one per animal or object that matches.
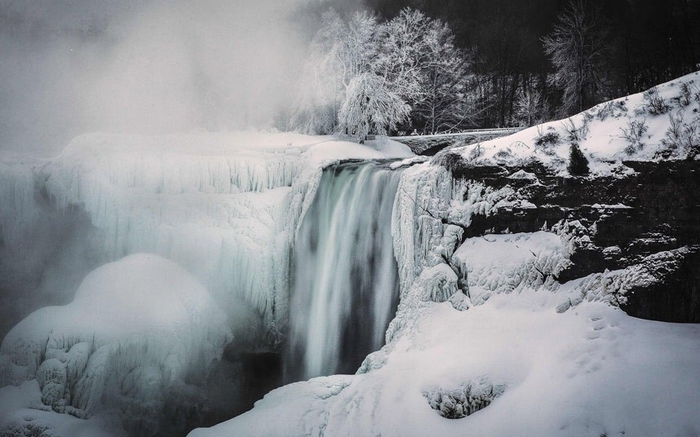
(73, 66)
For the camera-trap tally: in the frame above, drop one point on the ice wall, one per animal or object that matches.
(19, 210)
(345, 276)
(217, 207)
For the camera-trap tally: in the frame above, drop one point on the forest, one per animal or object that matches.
(402, 66)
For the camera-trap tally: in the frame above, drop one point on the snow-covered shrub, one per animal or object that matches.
(613, 108)
(682, 139)
(684, 98)
(464, 400)
(576, 133)
(656, 105)
(633, 134)
(545, 140)
(504, 156)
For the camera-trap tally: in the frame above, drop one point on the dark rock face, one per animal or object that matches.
(676, 297)
(628, 218)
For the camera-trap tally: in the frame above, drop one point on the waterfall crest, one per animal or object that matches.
(345, 286)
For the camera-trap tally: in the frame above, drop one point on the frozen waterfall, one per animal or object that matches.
(345, 286)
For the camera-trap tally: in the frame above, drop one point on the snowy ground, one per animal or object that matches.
(589, 372)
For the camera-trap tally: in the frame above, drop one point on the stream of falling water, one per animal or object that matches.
(345, 288)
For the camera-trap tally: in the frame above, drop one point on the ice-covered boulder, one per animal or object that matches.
(140, 331)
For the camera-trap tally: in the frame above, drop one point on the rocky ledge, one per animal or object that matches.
(646, 215)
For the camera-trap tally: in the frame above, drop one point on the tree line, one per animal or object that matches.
(437, 66)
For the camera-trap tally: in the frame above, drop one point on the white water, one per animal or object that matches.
(345, 275)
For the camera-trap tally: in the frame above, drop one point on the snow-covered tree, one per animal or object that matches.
(340, 51)
(411, 61)
(371, 106)
(530, 107)
(578, 163)
(321, 90)
(403, 52)
(440, 106)
(576, 48)
(425, 68)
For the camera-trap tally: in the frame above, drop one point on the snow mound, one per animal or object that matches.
(136, 330)
(661, 123)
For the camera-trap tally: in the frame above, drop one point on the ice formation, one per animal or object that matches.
(226, 206)
(345, 280)
(139, 332)
(19, 209)
(217, 208)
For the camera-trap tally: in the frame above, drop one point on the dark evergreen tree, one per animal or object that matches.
(578, 163)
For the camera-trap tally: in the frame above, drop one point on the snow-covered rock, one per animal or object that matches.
(139, 332)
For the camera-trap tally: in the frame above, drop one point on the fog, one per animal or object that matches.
(75, 66)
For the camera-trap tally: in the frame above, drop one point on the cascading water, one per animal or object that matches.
(345, 275)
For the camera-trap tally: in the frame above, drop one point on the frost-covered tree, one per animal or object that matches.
(576, 47)
(441, 106)
(403, 52)
(411, 61)
(340, 51)
(371, 106)
(321, 90)
(425, 68)
(530, 108)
